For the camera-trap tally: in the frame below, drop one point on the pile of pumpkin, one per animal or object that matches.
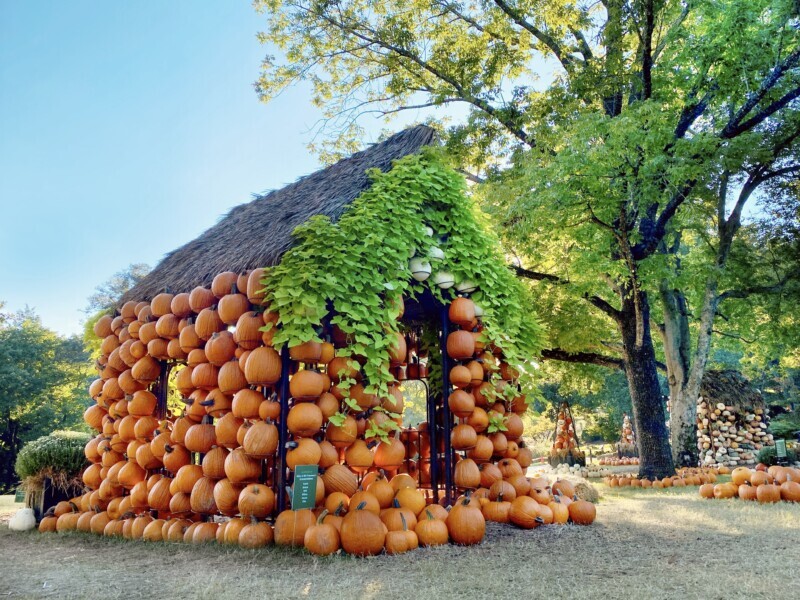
(684, 477)
(565, 440)
(764, 484)
(390, 515)
(210, 473)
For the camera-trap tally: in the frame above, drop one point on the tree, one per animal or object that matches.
(662, 118)
(107, 294)
(43, 379)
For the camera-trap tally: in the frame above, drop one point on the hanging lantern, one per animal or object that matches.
(444, 279)
(466, 287)
(420, 269)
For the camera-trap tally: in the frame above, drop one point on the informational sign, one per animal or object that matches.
(304, 492)
(780, 448)
(19, 496)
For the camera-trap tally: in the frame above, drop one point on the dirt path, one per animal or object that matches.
(643, 545)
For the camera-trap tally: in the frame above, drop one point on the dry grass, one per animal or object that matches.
(670, 545)
(8, 507)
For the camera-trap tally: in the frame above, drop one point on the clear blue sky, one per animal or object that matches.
(126, 129)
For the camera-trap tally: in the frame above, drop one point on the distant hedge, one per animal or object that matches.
(60, 452)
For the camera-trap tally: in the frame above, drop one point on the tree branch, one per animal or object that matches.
(595, 301)
(735, 126)
(547, 40)
(592, 358)
(652, 234)
(759, 289)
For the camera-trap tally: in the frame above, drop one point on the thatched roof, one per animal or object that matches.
(257, 234)
(732, 389)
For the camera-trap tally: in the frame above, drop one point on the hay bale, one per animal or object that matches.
(586, 491)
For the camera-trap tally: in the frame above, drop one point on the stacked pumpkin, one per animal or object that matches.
(627, 440)
(210, 473)
(766, 485)
(486, 403)
(565, 442)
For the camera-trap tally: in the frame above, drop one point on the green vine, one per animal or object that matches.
(351, 273)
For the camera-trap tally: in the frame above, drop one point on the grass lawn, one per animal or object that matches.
(644, 544)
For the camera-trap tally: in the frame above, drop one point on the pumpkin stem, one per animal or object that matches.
(403, 521)
(339, 509)
(430, 516)
(322, 516)
(361, 505)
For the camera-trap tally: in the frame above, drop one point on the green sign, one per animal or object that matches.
(19, 496)
(304, 491)
(780, 448)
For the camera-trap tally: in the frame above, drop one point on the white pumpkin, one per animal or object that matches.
(420, 269)
(23, 520)
(444, 279)
(435, 253)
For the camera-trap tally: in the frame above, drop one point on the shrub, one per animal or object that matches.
(785, 425)
(768, 455)
(60, 452)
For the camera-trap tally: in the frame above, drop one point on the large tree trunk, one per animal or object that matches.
(655, 457)
(683, 409)
(685, 369)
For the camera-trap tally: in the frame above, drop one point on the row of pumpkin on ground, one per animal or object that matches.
(388, 515)
(764, 484)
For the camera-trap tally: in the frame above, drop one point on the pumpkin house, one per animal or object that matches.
(288, 331)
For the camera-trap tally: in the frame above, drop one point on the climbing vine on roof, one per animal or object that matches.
(354, 270)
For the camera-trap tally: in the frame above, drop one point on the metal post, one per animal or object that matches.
(432, 442)
(280, 463)
(447, 418)
(162, 389)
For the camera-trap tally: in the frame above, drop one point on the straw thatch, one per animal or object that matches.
(257, 234)
(732, 389)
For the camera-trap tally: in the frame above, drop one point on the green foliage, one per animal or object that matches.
(43, 379)
(785, 426)
(354, 271)
(769, 455)
(600, 407)
(59, 452)
(619, 142)
(107, 294)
